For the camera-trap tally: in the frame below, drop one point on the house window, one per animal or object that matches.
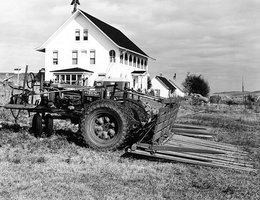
(62, 78)
(67, 79)
(85, 34)
(79, 77)
(74, 57)
(134, 61)
(138, 63)
(55, 57)
(112, 55)
(142, 63)
(130, 60)
(56, 78)
(121, 58)
(73, 79)
(145, 64)
(126, 59)
(77, 34)
(92, 57)
(157, 92)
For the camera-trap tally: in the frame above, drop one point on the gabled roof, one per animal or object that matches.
(115, 35)
(176, 86)
(166, 83)
(71, 70)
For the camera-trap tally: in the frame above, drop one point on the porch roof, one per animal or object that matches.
(72, 70)
(138, 72)
(113, 79)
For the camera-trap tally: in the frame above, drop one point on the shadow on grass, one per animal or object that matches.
(13, 127)
(72, 137)
(69, 135)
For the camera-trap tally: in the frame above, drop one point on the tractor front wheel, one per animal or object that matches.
(37, 125)
(105, 125)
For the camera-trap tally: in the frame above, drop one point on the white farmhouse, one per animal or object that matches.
(85, 49)
(166, 88)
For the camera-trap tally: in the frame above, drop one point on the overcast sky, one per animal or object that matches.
(219, 39)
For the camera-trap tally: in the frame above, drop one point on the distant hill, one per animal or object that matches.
(257, 93)
(237, 93)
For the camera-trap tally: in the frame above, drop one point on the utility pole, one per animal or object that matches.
(75, 3)
(243, 92)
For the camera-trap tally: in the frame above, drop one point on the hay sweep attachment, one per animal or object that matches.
(161, 142)
(111, 118)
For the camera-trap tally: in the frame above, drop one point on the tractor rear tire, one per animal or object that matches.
(138, 110)
(37, 125)
(48, 125)
(105, 125)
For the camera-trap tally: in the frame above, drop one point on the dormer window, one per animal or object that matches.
(85, 34)
(77, 34)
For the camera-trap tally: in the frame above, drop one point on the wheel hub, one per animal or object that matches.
(105, 127)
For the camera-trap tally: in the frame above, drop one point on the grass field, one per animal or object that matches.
(62, 167)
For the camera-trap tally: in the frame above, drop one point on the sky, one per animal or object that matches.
(219, 39)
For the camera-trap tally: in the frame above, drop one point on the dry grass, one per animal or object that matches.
(61, 167)
(53, 168)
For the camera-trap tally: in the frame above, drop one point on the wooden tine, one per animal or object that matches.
(190, 161)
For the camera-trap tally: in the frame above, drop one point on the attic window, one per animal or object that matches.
(77, 34)
(85, 34)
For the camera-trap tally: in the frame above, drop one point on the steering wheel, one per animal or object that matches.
(31, 80)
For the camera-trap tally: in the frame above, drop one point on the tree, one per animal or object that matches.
(196, 84)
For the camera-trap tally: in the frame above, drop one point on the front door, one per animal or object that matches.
(135, 82)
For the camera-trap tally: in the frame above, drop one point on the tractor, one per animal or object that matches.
(112, 116)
